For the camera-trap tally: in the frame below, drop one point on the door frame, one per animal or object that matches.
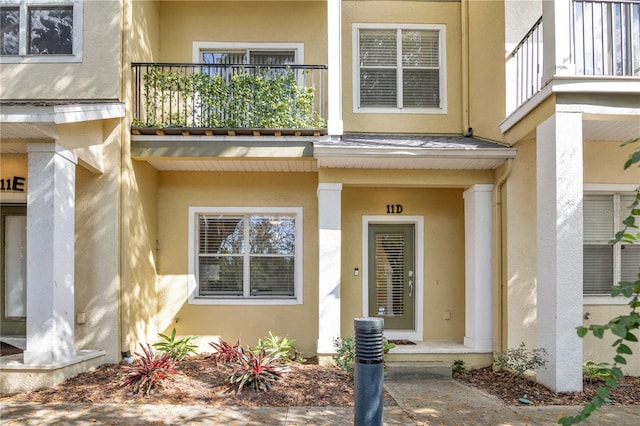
(418, 222)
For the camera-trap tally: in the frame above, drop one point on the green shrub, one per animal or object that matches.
(346, 352)
(520, 359)
(148, 371)
(458, 365)
(594, 372)
(282, 346)
(258, 370)
(177, 349)
(224, 353)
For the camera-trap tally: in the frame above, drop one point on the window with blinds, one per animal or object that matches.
(246, 255)
(249, 56)
(606, 264)
(389, 274)
(399, 68)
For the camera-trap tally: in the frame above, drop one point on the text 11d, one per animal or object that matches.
(394, 208)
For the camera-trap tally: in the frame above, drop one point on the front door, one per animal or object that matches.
(391, 275)
(13, 270)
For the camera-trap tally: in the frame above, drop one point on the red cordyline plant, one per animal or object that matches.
(259, 370)
(224, 353)
(148, 371)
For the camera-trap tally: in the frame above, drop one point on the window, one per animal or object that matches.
(606, 264)
(399, 68)
(248, 53)
(40, 31)
(246, 255)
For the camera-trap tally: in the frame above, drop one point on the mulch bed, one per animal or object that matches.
(511, 389)
(7, 349)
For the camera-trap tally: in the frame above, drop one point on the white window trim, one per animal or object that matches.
(194, 299)
(441, 28)
(23, 57)
(604, 188)
(418, 221)
(204, 46)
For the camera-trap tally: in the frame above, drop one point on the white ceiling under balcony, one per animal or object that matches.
(611, 130)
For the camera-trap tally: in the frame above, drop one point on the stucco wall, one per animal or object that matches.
(97, 260)
(603, 162)
(385, 12)
(139, 296)
(176, 193)
(521, 240)
(486, 69)
(443, 214)
(95, 77)
(183, 23)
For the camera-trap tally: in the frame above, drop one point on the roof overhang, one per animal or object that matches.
(304, 154)
(39, 119)
(412, 152)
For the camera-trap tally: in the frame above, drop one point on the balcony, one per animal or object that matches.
(230, 100)
(604, 42)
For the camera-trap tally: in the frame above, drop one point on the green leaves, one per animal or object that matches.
(148, 371)
(250, 98)
(521, 359)
(177, 349)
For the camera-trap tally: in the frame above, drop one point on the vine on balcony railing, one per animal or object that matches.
(226, 96)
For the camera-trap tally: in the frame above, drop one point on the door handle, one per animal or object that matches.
(410, 288)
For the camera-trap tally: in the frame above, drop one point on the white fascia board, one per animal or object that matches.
(578, 84)
(341, 152)
(62, 114)
(600, 84)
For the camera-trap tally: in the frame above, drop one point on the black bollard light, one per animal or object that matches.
(368, 371)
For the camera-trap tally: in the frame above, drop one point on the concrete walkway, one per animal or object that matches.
(420, 402)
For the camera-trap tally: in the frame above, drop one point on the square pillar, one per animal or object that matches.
(478, 235)
(559, 191)
(330, 249)
(50, 254)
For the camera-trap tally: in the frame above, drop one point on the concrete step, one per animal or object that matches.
(417, 370)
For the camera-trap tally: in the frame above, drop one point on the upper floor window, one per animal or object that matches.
(40, 30)
(248, 53)
(399, 68)
(607, 264)
(246, 255)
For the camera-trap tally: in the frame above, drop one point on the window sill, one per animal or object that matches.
(243, 301)
(40, 59)
(370, 110)
(605, 300)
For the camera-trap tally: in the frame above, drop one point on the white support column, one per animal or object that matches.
(334, 73)
(559, 249)
(330, 248)
(50, 254)
(478, 234)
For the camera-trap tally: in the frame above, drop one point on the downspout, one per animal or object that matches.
(498, 262)
(123, 222)
(467, 131)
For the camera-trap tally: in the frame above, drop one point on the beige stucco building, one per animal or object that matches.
(231, 168)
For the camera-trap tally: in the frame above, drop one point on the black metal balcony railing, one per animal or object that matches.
(204, 96)
(606, 37)
(528, 63)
